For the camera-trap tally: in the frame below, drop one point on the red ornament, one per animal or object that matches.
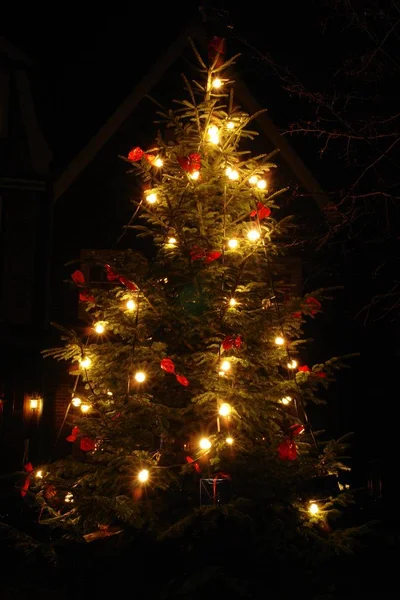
(296, 429)
(135, 154)
(87, 444)
(113, 276)
(304, 369)
(129, 284)
(287, 450)
(262, 211)
(167, 365)
(86, 296)
(211, 256)
(314, 304)
(78, 278)
(232, 342)
(182, 380)
(74, 434)
(195, 464)
(216, 49)
(297, 315)
(207, 256)
(25, 487)
(190, 163)
(150, 158)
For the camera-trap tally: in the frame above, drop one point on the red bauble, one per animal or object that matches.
(304, 369)
(87, 444)
(190, 163)
(262, 211)
(86, 296)
(167, 365)
(182, 380)
(74, 434)
(287, 450)
(78, 277)
(211, 256)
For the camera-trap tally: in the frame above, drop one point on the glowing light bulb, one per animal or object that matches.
(109, 393)
(39, 474)
(172, 241)
(85, 407)
(225, 409)
(140, 376)
(232, 174)
(205, 444)
(261, 184)
(313, 508)
(253, 235)
(158, 162)
(279, 341)
(143, 475)
(68, 497)
(229, 440)
(233, 243)
(232, 302)
(217, 83)
(213, 134)
(85, 362)
(253, 179)
(292, 364)
(196, 174)
(130, 305)
(225, 366)
(286, 400)
(151, 198)
(100, 327)
(34, 403)
(230, 125)
(76, 402)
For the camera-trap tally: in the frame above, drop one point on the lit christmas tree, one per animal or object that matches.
(190, 387)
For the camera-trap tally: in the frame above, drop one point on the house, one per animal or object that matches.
(25, 233)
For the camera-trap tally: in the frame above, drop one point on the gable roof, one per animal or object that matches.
(196, 32)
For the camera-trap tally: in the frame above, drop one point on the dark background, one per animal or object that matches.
(88, 62)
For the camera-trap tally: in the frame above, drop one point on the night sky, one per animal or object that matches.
(86, 64)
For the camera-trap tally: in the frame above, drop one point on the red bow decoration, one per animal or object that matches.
(167, 365)
(217, 476)
(150, 158)
(206, 256)
(306, 369)
(28, 469)
(74, 434)
(87, 444)
(195, 464)
(313, 303)
(190, 163)
(135, 154)
(262, 211)
(216, 48)
(287, 449)
(112, 276)
(79, 279)
(232, 342)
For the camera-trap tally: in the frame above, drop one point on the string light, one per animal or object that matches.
(69, 497)
(230, 125)
(109, 393)
(232, 302)
(130, 305)
(158, 162)
(85, 362)
(253, 235)
(140, 376)
(261, 184)
(313, 508)
(225, 409)
(292, 364)
(172, 241)
(39, 474)
(151, 197)
(225, 366)
(213, 134)
(196, 174)
(205, 444)
(229, 440)
(233, 243)
(253, 179)
(100, 327)
(217, 83)
(279, 340)
(232, 174)
(143, 475)
(286, 400)
(76, 402)
(85, 407)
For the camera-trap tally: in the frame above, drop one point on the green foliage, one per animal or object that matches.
(182, 311)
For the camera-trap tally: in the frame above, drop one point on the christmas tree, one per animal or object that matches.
(190, 388)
